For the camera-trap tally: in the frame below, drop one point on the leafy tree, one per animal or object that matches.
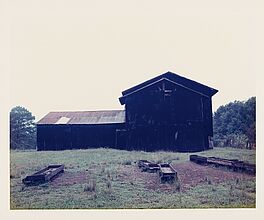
(22, 129)
(235, 124)
(250, 118)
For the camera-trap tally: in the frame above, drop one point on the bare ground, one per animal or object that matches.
(69, 178)
(189, 175)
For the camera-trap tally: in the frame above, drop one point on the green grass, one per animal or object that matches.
(106, 186)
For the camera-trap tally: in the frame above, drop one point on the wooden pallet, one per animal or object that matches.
(44, 175)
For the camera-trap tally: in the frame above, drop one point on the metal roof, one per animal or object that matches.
(84, 117)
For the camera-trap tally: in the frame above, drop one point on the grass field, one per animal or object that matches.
(107, 178)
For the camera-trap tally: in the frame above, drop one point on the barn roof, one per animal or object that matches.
(84, 117)
(173, 78)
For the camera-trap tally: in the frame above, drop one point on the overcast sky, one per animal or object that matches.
(80, 55)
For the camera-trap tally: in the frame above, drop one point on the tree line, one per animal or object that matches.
(234, 126)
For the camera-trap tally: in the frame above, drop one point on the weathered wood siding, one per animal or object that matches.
(61, 137)
(170, 117)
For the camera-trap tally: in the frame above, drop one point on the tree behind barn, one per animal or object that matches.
(235, 124)
(22, 129)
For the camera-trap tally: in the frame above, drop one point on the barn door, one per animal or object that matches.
(121, 138)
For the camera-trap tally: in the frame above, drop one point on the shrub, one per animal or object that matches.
(231, 140)
(90, 186)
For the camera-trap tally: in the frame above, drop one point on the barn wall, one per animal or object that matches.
(174, 138)
(61, 137)
(168, 117)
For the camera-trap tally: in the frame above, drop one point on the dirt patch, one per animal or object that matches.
(189, 174)
(69, 178)
(151, 181)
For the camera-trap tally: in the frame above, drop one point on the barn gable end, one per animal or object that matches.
(168, 112)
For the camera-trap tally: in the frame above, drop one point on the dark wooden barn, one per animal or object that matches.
(82, 129)
(168, 112)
